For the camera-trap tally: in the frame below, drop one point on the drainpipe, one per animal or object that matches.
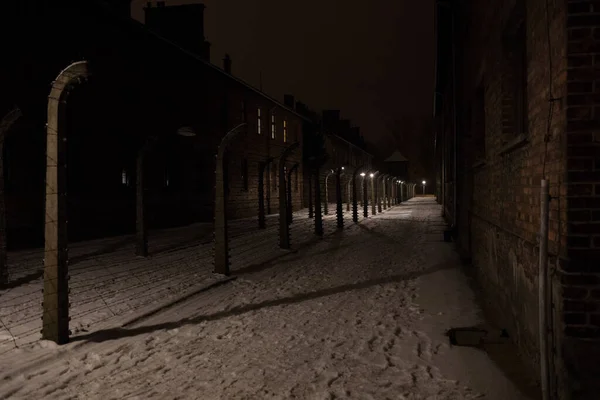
(543, 289)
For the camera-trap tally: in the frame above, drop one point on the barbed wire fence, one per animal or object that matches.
(107, 288)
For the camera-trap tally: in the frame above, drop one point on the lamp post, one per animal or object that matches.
(424, 187)
(373, 194)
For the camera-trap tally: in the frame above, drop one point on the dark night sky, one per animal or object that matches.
(372, 60)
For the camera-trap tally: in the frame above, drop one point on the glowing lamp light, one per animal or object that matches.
(423, 182)
(362, 174)
(372, 175)
(186, 131)
(342, 168)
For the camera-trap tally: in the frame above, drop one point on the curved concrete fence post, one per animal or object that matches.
(318, 215)
(141, 226)
(326, 194)
(338, 199)
(402, 192)
(390, 192)
(374, 196)
(262, 167)
(384, 191)
(5, 124)
(349, 193)
(378, 194)
(56, 254)
(354, 194)
(365, 197)
(290, 209)
(381, 192)
(391, 184)
(310, 195)
(221, 246)
(284, 226)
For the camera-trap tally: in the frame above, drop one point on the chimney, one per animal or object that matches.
(288, 101)
(227, 64)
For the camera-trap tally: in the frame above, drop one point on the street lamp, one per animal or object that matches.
(372, 175)
(362, 174)
(424, 186)
(186, 131)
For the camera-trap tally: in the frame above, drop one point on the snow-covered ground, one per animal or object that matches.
(110, 286)
(359, 314)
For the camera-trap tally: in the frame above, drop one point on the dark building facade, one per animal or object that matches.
(146, 93)
(517, 101)
(183, 24)
(345, 148)
(397, 165)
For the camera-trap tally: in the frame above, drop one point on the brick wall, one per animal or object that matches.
(580, 270)
(252, 148)
(502, 154)
(507, 149)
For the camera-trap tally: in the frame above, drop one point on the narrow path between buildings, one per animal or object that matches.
(359, 314)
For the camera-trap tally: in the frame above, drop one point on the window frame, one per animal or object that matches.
(259, 121)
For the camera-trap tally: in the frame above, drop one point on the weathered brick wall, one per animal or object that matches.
(252, 148)
(501, 164)
(580, 270)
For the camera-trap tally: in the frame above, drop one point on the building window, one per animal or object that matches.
(245, 174)
(285, 131)
(514, 79)
(259, 123)
(124, 177)
(273, 126)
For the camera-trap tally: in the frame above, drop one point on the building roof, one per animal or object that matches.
(142, 27)
(396, 157)
(350, 143)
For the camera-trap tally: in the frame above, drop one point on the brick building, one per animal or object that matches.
(517, 100)
(345, 148)
(144, 88)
